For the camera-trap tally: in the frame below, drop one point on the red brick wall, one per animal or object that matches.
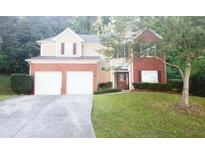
(64, 68)
(148, 36)
(149, 64)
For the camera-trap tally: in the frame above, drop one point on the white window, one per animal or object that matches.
(69, 49)
(149, 76)
(147, 49)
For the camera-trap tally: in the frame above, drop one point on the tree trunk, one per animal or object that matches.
(185, 93)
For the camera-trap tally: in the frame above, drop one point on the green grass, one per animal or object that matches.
(146, 114)
(5, 88)
(2, 97)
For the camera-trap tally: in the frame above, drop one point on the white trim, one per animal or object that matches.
(113, 79)
(165, 68)
(93, 42)
(53, 39)
(80, 49)
(62, 62)
(29, 68)
(45, 41)
(155, 33)
(130, 82)
(56, 47)
(148, 29)
(152, 72)
(132, 73)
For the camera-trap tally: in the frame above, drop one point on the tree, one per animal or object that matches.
(116, 38)
(185, 35)
(183, 40)
(18, 36)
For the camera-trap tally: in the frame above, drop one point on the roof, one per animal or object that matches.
(43, 58)
(133, 35)
(50, 39)
(96, 39)
(90, 38)
(82, 37)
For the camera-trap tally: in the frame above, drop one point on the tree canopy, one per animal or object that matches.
(183, 42)
(18, 36)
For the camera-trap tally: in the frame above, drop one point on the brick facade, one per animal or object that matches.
(149, 64)
(65, 68)
(148, 36)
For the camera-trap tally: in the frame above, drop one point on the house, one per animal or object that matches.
(71, 63)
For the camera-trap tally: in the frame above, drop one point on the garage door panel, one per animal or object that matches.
(79, 82)
(48, 83)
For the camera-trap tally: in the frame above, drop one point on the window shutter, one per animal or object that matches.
(62, 48)
(159, 76)
(74, 48)
(139, 76)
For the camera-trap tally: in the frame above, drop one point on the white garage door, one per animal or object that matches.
(48, 83)
(149, 76)
(79, 82)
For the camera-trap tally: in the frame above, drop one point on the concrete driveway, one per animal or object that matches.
(46, 116)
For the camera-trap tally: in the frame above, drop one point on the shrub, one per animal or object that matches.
(22, 83)
(102, 91)
(106, 85)
(153, 86)
(177, 84)
(197, 84)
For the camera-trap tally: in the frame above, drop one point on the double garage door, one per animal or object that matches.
(50, 82)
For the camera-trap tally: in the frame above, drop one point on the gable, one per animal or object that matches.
(149, 36)
(68, 35)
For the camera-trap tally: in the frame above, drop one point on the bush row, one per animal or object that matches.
(106, 85)
(102, 91)
(171, 86)
(197, 84)
(22, 83)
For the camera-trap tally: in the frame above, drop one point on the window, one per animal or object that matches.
(62, 48)
(74, 48)
(70, 49)
(149, 76)
(147, 49)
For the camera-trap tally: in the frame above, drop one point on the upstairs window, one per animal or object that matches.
(147, 49)
(62, 48)
(74, 48)
(70, 49)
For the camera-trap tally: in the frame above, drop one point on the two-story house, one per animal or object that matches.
(70, 63)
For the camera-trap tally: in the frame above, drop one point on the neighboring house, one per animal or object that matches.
(70, 63)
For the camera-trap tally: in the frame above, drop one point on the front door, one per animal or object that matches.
(123, 80)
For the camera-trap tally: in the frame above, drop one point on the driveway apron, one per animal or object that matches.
(47, 116)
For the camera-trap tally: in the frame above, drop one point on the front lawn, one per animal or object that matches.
(147, 114)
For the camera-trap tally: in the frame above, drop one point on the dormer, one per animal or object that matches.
(65, 44)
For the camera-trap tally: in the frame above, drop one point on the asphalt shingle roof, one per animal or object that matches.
(85, 37)
(89, 38)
